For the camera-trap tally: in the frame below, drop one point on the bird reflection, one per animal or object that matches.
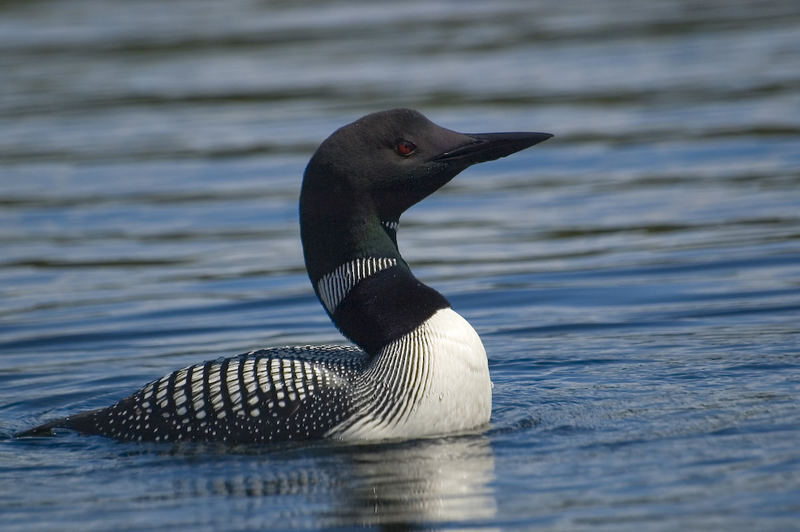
(421, 482)
(409, 484)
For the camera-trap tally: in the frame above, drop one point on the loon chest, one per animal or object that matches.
(433, 380)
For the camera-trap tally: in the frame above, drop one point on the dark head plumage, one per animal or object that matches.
(372, 170)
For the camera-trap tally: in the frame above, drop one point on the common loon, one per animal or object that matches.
(419, 368)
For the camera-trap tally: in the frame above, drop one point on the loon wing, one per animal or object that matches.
(290, 393)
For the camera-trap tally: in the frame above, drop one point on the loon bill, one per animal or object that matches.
(419, 368)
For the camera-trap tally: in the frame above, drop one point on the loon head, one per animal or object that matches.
(367, 173)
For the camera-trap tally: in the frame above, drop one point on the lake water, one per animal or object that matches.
(636, 279)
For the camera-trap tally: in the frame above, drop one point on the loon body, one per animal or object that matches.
(419, 368)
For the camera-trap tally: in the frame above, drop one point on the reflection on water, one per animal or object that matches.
(422, 483)
(430, 481)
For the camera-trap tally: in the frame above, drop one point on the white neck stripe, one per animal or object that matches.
(334, 286)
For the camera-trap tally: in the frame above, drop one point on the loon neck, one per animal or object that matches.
(362, 280)
(333, 236)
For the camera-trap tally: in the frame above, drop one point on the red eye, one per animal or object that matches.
(405, 147)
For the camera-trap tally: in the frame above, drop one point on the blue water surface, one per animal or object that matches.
(635, 280)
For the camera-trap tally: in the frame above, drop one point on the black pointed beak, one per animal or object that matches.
(482, 147)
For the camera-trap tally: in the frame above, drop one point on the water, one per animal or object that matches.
(636, 279)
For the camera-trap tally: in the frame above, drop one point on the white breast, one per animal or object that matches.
(433, 380)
